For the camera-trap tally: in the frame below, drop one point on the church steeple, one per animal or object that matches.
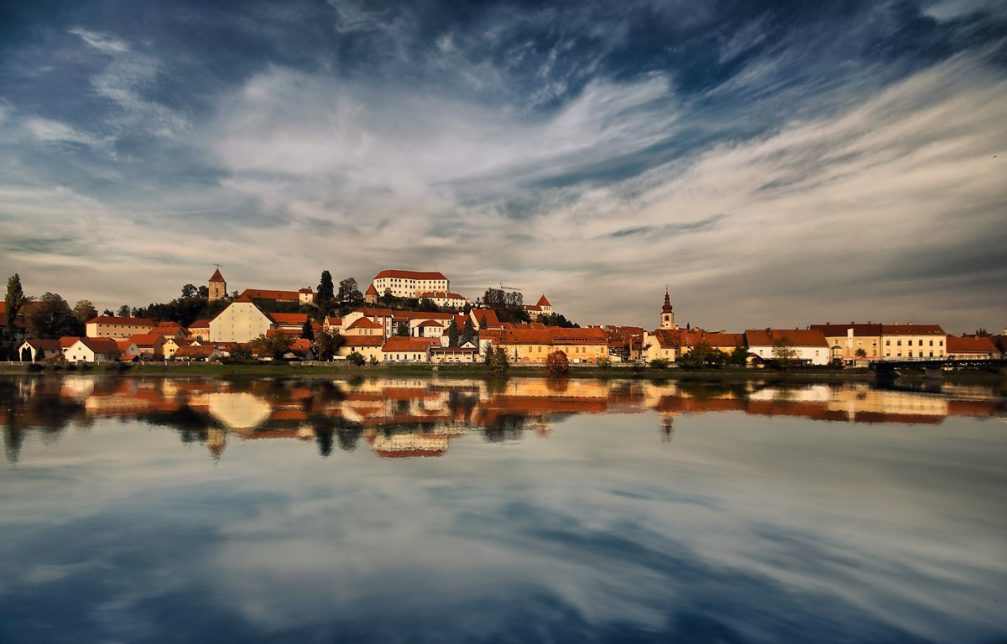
(667, 313)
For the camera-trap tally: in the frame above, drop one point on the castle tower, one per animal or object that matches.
(667, 313)
(217, 286)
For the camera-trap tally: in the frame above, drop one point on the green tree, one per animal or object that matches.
(326, 344)
(660, 363)
(14, 300)
(469, 333)
(83, 310)
(453, 335)
(325, 290)
(402, 329)
(307, 331)
(739, 357)
(274, 347)
(123, 311)
(52, 318)
(356, 358)
(784, 353)
(190, 291)
(499, 362)
(348, 291)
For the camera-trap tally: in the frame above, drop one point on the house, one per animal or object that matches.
(902, 341)
(430, 329)
(540, 308)
(726, 343)
(149, 345)
(93, 350)
(368, 346)
(199, 330)
(127, 347)
(197, 353)
(288, 322)
(526, 345)
(805, 346)
(36, 350)
(485, 319)
(67, 341)
(114, 326)
(302, 296)
(300, 349)
(625, 343)
(333, 325)
(241, 321)
(408, 349)
(364, 326)
(467, 353)
(853, 341)
(402, 283)
(371, 294)
(444, 298)
(971, 347)
(171, 345)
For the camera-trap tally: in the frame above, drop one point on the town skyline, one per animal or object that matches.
(773, 164)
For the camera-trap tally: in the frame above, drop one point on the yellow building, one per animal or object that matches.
(112, 326)
(852, 342)
(241, 321)
(903, 341)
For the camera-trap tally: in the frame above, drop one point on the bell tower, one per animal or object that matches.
(667, 313)
(217, 287)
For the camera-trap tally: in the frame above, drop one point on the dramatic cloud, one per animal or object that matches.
(774, 165)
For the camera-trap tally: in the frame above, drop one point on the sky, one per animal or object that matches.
(771, 163)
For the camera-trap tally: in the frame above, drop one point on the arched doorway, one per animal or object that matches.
(26, 354)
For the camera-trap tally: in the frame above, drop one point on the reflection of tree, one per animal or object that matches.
(505, 428)
(12, 438)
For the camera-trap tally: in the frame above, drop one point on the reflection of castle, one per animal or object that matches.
(418, 417)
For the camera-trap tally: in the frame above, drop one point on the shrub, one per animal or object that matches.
(356, 358)
(557, 364)
(660, 363)
(605, 362)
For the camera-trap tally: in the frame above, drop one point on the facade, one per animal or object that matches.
(368, 346)
(217, 286)
(807, 345)
(444, 298)
(112, 326)
(199, 330)
(93, 350)
(242, 321)
(526, 345)
(409, 283)
(971, 347)
(408, 349)
(467, 353)
(853, 341)
(149, 345)
(364, 326)
(913, 341)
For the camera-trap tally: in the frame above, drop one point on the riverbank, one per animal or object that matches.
(343, 370)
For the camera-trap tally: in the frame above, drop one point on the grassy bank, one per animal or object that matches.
(343, 370)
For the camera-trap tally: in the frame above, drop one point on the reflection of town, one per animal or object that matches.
(418, 417)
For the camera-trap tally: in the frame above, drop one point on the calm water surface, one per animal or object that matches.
(163, 510)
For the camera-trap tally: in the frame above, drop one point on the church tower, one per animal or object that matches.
(217, 286)
(667, 313)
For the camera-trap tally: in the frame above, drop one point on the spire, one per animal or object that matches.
(667, 301)
(216, 277)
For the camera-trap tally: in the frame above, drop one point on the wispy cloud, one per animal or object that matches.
(103, 42)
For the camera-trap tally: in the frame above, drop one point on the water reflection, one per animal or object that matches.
(405, 418)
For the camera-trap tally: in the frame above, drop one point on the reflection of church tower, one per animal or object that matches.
(667, 427)
(217, 286)
(667, 314)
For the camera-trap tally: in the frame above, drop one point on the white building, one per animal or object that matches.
(241, 321)
(807, 345)
(409, 283)
(93, 350)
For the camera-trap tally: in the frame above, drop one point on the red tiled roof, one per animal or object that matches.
(912, 329)
(300, 345)
(543, 301)
(859, 330)
(971, 344)
(364, 323)
(554, 336)
(146, 339)
(194, 351)
(420, 315)
(794, 337)
(217, 277)
(288, 318)
(376, 313)
(371, 290)
(718, 339)
(123, 344)
(429, 323)
(124, 321)
(487, 318)
(44, 345)
(269, 294)
(200, 324)
(409, 275)
(334, 321)
(433, 295)
(106, 346)
(409, 344)
(68, 341)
